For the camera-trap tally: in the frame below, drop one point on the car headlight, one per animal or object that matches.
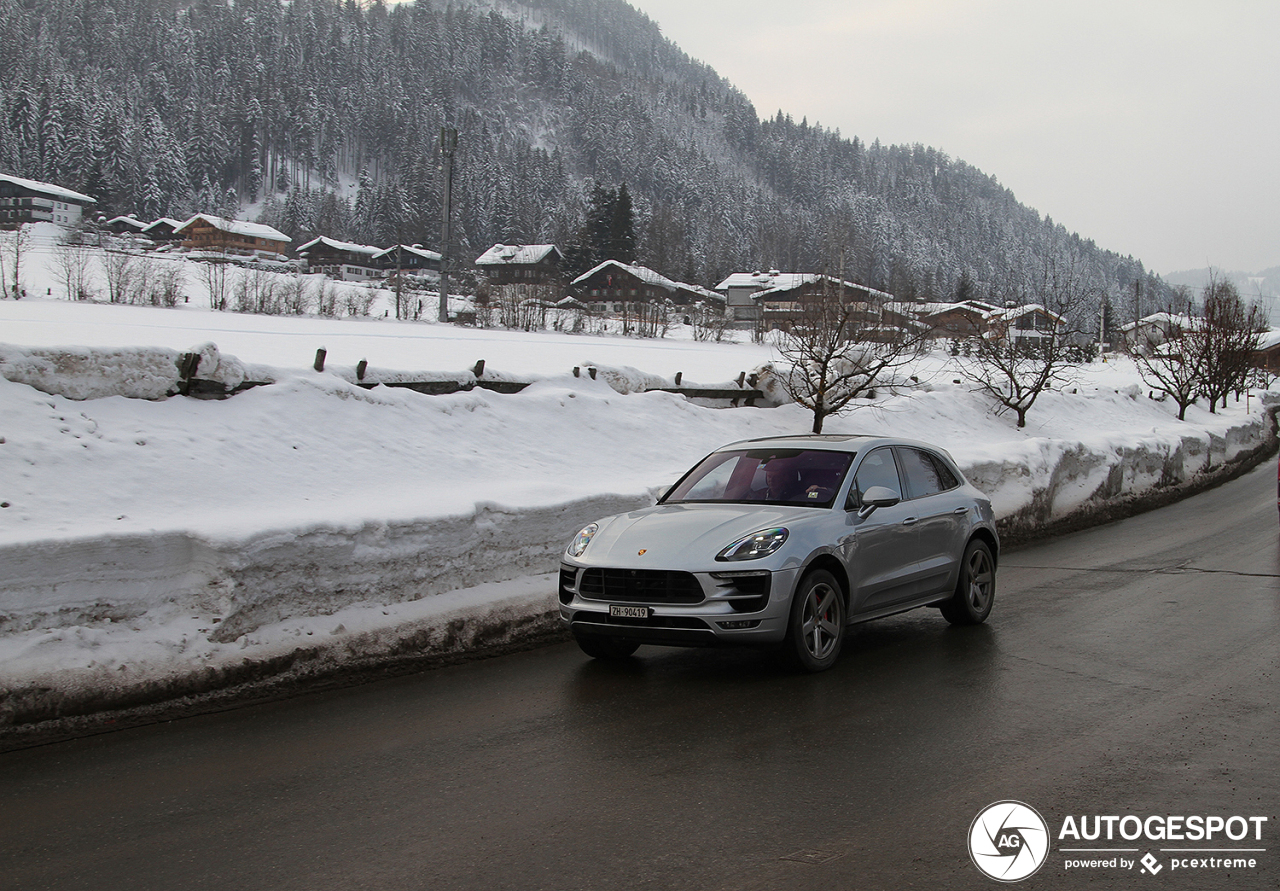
(756, 545)
(582, 539)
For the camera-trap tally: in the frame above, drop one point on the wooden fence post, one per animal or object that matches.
(320, 354)
(361, 366)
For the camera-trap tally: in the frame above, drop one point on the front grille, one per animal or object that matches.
(640, 586)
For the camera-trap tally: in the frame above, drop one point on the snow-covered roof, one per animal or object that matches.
(704, 293)
(645, 274)
(48, 189)
(349, 247)
(1161, 319)
(504, 254)
(762, 280)
(163, 221)
(1013, 312)
(238, 227)
(791, 281)
(132, 222)
(986, 310)
(415, 249)
(1269, 339)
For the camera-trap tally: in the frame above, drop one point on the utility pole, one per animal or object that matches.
(448, 145)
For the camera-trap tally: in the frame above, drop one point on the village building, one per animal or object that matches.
(695, 295)
(125, 225)
(778, 306)
(211, 233)
(163, 230)
(1267, 353)
(740, 287)
(1146, 334)
(1027, 324)
(522, 264)
(616, 287)
(956, 321)
(409, 259)
(342, 260)
(29, 201)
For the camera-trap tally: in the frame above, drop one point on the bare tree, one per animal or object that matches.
(1225, 341)
(214, 275)
(11, 258)
(1172, 368)
(72, 258)
(122, 273)
(297, 296)
(839, 350)
(708, 323)
(1013, 364)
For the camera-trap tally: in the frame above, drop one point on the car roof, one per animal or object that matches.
(835, 441)
(840, 442)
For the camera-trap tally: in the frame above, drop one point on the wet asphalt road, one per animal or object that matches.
(1131, 669)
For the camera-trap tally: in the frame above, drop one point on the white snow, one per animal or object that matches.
(144, 538)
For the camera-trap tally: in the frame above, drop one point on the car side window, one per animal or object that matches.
(945, 476)
(926, 474)
(921, 474)
(878, 469)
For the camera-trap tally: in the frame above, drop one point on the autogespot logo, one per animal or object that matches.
(1008, 841)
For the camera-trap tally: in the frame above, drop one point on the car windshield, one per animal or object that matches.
(808, 477)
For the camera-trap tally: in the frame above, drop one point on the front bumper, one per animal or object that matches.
(715, 608)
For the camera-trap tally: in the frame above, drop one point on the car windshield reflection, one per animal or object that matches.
(801, 477)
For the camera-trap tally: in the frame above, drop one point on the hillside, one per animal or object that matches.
(323, 117)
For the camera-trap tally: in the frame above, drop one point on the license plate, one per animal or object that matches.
(630, 612)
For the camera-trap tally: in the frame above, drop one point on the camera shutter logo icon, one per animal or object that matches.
(1008, 841)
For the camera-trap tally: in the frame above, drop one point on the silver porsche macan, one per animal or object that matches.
(784, 542)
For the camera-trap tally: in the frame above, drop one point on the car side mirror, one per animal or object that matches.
(877, 496)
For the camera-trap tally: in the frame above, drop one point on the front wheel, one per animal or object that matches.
(976, 590)
(606, 647)
(815, 630)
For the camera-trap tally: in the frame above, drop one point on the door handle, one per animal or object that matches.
(960, 510)
(910, 521)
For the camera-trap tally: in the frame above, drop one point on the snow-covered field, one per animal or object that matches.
(147, 543)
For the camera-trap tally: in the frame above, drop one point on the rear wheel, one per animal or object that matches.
(976, 589)
(606, 647)
(816, 627)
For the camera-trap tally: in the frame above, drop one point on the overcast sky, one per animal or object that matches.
(1152, 128)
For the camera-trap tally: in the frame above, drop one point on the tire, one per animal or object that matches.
(976, 589)
(815, 630)
(606, 647)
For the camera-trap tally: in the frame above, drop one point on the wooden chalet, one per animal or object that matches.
(31, 201)
(163, 230)
(957, 321)
(522, 264)
(1267, 354)
(341, 260)
(411, 259)
(1027, 324)
(211, 233)
(125, 225)
(778, 306)
(615, 286)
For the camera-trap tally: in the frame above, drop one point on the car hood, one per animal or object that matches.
(684, 536)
